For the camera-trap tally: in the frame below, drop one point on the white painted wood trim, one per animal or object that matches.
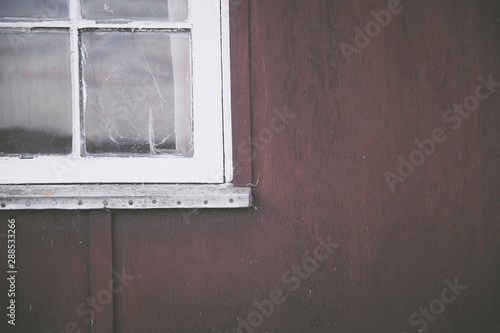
(183, 99)
(212, 145)
(111, 24)
(226, 92)
(207, 88)
(74, 10)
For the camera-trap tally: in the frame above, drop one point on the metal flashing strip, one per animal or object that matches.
(123, 196)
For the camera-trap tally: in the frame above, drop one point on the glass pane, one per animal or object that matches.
(35, 93)
(173, 10)
(135, 102)
(34, 8)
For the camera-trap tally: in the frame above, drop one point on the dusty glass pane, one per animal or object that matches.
(134, 101)
(173, 10)
(34, 8)
(35, 93)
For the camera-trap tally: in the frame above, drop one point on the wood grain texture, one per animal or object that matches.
(52, 261)
(240, 92)
(101, 265)
(320, 175)
(323, 174)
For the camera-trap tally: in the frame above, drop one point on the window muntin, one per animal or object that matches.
(202, 162)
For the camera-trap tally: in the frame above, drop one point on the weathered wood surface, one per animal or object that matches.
(52, 280)
(321, 175)
(103, 285)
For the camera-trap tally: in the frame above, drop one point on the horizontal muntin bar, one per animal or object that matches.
(89, 24)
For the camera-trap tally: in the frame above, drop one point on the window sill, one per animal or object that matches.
(123, 196)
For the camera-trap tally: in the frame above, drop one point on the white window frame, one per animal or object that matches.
(211, 162)
(202, 181)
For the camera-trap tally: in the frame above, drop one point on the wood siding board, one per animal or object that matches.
(101, 265)
(323, 174)
(240, 92)
(52, 264)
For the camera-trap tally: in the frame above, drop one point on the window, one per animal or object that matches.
(114, 92)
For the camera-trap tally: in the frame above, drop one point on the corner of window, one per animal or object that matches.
(117, 110)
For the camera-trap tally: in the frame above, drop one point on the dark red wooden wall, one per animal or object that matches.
(320, 175)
